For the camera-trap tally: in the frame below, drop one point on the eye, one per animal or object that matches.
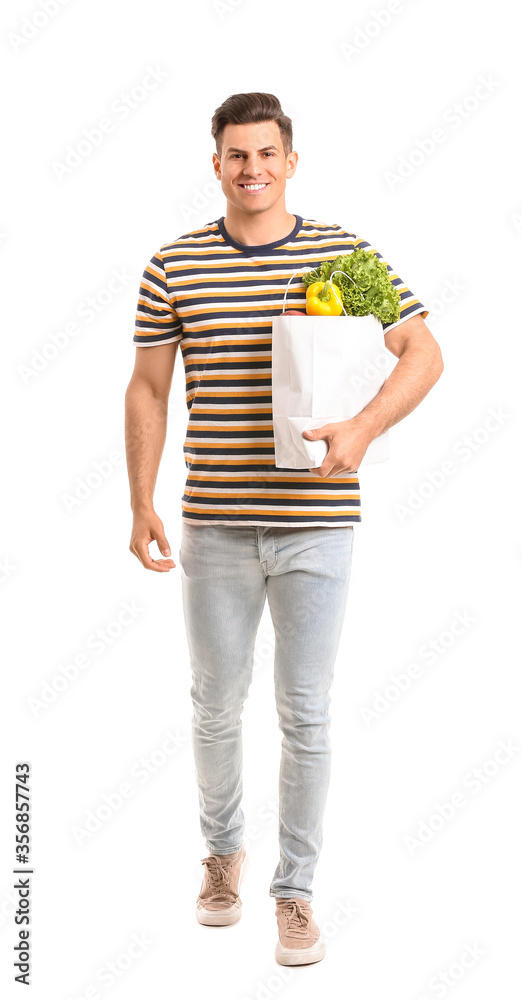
(267, 153)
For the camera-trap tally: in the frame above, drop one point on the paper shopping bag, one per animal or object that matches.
(324, 369)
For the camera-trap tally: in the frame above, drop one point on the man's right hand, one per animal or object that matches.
(147, 527)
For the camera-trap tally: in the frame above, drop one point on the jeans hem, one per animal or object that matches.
(290, 895)
(224, 853)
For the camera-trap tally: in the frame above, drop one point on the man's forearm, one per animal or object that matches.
(415, 373)
(145, 433)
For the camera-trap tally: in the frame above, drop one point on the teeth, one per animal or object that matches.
(253, 187)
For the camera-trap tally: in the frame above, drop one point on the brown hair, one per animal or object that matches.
(241, 109)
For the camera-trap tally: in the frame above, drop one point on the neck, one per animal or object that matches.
(258, 228)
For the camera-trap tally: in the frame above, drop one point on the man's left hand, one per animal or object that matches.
(347, 444)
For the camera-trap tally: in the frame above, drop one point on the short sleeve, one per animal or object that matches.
(156, 319)
(410, 305)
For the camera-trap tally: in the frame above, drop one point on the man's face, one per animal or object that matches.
(253, 155)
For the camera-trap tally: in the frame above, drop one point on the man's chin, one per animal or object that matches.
(251, 209)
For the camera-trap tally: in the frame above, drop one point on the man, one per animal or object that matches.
(251, 531)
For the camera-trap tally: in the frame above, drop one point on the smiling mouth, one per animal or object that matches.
(254, 187)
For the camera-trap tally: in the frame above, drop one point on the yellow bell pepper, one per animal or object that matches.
(323, 298)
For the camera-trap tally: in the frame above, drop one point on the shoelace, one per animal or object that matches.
(297, 919)
(218, 875)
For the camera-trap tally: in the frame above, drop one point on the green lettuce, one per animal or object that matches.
(373, 292)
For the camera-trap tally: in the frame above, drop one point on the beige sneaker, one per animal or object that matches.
(218, 901)
(300, 940)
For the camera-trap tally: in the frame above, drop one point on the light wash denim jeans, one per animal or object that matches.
(227, 571)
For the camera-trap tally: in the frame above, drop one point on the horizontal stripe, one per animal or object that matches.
(277, 520)
(314, 510)
(217, 298)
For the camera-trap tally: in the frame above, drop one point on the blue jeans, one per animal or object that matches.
(227, 571)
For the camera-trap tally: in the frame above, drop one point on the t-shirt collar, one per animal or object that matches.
(262, 247)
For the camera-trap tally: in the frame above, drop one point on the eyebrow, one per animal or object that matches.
(234, 149)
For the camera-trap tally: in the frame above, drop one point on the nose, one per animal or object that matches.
(252, 168)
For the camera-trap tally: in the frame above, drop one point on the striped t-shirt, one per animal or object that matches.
(217, 298)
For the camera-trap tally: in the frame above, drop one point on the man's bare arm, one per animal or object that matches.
(420, 366)
(146, 403)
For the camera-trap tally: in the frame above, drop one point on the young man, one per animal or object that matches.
(251, 531)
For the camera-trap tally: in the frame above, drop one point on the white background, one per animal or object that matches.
(452, 229)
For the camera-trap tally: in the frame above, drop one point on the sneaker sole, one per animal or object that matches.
(221, 918)
(301, 956)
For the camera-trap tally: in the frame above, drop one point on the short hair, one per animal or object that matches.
(241, 109)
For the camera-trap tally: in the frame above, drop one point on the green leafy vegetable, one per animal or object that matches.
(373, 292)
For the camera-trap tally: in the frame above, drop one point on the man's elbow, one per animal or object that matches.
(436, 364)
